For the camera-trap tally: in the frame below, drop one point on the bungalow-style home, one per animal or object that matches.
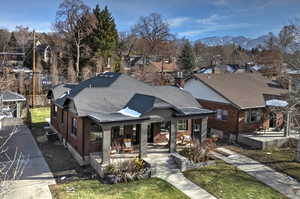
(113, 113)
(244, 102)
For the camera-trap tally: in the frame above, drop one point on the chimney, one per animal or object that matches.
(179, 81)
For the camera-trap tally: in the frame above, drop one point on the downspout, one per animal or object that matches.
(67, 128)
(237, 125)
(83, 139)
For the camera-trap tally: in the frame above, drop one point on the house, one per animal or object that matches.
(11, 104)
(219, 69)
(113, 113)
(244, 102)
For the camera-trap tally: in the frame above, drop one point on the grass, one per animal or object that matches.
(282, 160)
(57, 156)
(227, 182)
(39, 115)
(147, 189)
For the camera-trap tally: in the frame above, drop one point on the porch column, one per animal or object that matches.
(203, 129)
(106, 140)
(172, 139)
(143, 140)
(18, 109)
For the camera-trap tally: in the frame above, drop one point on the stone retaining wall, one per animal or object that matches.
(185, 164)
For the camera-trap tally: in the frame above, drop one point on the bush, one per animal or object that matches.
(199, 152)
(126, 171)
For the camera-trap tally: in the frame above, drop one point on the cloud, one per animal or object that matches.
(211, 20)
(176, 22)
(214, 28)
(38, 26)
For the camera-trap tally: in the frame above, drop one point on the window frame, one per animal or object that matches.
(99, 130)
(184, 124)
(249, 114)
(221, 116)
(74, 126)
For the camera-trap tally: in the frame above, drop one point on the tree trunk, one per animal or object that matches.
(298, 151)
(77, 60)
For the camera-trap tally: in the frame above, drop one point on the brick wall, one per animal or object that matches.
(230, 125)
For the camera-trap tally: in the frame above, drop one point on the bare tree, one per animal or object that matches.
(54, 70)
(22, 36)
(71, 19)
(12, 161)
(71, 72)
(153, 30)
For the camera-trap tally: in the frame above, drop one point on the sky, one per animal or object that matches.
(193, 19)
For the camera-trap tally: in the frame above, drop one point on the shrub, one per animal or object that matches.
(199, 152)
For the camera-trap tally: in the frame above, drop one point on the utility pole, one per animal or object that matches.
(33, 69)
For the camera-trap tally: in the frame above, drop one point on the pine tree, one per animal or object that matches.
(186, 59)
(104, 37)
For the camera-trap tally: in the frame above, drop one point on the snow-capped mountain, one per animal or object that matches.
(242, 41)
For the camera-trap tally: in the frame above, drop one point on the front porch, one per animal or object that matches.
(125, 142)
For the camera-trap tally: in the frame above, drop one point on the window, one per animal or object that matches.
(182, 125)
(54, 111)
(74, 126)
(222, 114)
(95, 134)
(252, 116)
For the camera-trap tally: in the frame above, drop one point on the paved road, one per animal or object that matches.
(166, 169)
(36, 177)
(278, 181)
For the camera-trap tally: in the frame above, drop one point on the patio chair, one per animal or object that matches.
(127, 145)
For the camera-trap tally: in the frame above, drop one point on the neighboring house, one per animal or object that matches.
(11, 104)
(219, 69)
(244, 102)
(111, 112)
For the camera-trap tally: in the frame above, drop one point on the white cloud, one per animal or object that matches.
(38, 26)
(176, 22)
(213, 28)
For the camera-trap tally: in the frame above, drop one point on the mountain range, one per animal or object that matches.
(244, 42)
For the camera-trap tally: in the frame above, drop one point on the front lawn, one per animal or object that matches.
(282, 160)
(147, 189)
(227, 182)
(39, 115)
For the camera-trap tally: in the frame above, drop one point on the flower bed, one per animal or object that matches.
(196, 156)
(127, 171)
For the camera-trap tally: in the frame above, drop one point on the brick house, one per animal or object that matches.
(113, 113)
(244, 102)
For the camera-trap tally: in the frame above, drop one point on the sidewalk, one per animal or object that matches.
(167, 170)
(278, 181)
(36, 177)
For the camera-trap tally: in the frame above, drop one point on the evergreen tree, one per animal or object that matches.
(104, 37)
(13, 44)
(186, 59)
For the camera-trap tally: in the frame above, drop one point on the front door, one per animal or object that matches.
(196, 129)
(150, 134)
(273, 120)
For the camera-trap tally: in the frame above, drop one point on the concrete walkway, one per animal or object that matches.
(36, 177)
(166, 169)
(278, 181)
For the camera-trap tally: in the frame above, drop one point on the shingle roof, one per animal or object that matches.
(245, 90)
(106, 94)
(9, 96)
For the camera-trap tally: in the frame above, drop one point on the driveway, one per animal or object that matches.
(36, 177)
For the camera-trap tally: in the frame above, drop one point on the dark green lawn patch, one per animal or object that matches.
(282, 160)
(152, 188)
(227, 182)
